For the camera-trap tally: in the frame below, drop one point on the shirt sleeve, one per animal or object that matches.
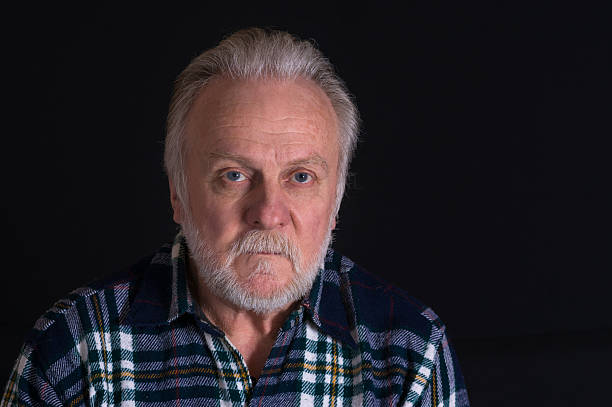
(28, 385)
(446, 386)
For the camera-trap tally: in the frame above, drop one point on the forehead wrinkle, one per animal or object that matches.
(235, 115)
(279, 133)
(312, 124)
(251, 134)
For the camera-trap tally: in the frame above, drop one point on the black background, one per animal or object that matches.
(481, 183)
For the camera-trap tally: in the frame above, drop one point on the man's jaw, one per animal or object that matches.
(220, 275)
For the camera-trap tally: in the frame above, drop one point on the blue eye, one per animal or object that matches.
(302, 177)
(235, 176)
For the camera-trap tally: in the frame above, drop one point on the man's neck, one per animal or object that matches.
(251, 333)
(235, 321)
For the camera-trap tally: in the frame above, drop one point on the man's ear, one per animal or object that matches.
(177, 206)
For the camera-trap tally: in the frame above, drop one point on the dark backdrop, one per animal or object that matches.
(481, 183)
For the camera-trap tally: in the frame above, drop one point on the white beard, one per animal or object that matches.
(217, 271)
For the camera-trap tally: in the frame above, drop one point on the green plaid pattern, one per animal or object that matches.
(139, 339)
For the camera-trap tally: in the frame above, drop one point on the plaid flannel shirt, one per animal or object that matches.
(139, 339)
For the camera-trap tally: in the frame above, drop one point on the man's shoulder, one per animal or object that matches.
(92, 307)
(380, 306)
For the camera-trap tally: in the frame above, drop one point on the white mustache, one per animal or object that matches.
(257, 241)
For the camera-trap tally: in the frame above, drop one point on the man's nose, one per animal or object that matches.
(267, 207)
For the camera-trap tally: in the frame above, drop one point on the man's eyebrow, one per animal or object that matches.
(228, 156)
(314, 159)
(219, 156)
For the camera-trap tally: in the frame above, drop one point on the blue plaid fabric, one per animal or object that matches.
(139, 339)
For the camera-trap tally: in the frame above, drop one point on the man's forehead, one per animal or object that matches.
(245, 89)
(236, 121)
(259, 114)
(225, 103)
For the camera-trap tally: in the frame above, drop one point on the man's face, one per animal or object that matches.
(261, 168)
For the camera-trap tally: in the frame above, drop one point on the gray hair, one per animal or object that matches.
(255, 53)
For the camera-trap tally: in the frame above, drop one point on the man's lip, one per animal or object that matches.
(267, 253)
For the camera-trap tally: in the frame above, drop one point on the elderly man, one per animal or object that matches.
(249, 305)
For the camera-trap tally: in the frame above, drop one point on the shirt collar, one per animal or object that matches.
(164, 294)
(329, 303)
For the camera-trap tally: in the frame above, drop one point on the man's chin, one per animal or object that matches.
(266, 291)
(262, 298)
(264, 285)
